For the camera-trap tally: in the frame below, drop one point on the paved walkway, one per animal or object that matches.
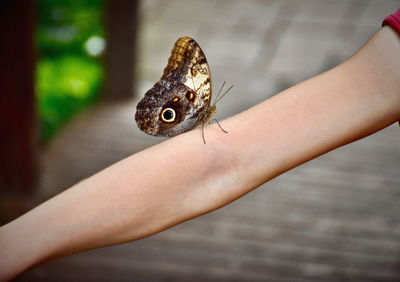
(335, 218)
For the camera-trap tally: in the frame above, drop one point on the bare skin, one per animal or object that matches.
(182, 178)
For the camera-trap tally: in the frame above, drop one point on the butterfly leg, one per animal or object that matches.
(202, 133)
(202, 129)
(220, 125)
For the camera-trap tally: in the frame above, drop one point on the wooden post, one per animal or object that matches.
(121, 24)
(18, 134)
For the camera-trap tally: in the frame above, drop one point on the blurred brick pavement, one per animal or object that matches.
(335, 218)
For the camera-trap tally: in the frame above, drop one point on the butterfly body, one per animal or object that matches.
(180, 100)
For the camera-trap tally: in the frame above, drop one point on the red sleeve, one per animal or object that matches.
(394, 21)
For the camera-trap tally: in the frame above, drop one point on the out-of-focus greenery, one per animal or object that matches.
(69, 75)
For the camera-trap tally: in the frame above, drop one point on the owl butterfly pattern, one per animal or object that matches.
(180, 100)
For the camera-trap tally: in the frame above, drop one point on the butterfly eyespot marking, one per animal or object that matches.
(168, 115)
(190, 96)
(176, 99)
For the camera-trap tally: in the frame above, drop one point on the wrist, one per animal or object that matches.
(19, 249)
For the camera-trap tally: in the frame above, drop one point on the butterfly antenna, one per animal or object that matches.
(223, 94)
(219, 92)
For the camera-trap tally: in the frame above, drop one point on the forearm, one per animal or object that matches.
(349, 102)
(182, 178)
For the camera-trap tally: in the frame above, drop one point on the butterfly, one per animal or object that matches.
(181, 99)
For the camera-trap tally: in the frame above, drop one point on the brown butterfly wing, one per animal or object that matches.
(188, 64)
(184, 88)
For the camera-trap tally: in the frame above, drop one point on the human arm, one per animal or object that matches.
(183, 178)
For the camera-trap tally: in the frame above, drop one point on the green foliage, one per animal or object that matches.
(64, 25)
(68, 79)
(65, 85)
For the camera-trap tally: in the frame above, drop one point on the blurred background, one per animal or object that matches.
(72, 73)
